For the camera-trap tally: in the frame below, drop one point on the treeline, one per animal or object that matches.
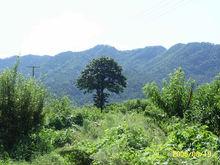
(179, 117)
(182, 98)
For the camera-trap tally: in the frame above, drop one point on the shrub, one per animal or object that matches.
(206, 108)
(135, 105)
(155, 113)
(119, 145)
(59, 114)
(50, 159)
(192, 138)
(90, 113)
(21, 107)
(42, 142)
(116, 107)
(4, 155)
(185, 139)
(174, 97)
(76, 156)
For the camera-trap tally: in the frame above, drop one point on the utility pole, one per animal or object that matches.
(33, 69)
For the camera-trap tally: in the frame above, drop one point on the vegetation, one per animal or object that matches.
(206, 105)
(100, 75)
(21, 108)
(177, 123)
(153, 63)
(176, 95)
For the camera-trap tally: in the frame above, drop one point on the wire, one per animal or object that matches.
(176, 6)
(161, 13)
(154, 8)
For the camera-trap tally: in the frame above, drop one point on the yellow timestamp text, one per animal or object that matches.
(187, 154)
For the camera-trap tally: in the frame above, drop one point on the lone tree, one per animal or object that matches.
(102, 75)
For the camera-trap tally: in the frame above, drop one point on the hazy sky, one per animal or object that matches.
(52, 26)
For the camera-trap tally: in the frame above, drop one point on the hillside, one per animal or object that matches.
(199, 60)
(172, 126)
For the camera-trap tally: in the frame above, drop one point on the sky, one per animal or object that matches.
(48, 27)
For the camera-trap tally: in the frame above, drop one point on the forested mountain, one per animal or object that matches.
(201, 61)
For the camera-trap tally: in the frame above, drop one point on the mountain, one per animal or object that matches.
(201, 61)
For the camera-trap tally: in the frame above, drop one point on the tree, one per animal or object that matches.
(102, 75)
(206, 107)
(175, 97)
(21, 107)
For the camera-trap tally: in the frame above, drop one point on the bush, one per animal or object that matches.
(119, 145)
(206, 108)
(50, 159)
(185, 139)
(135, 105)
(4, 155)
(42, 142)
(116, 107)
(192, 138)
(175, 96)
(76, 156)
(155, 113)
(21, 107)
(59, 114)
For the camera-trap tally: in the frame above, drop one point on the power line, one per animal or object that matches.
(160, 5)
(160, 13)
(174, 7)
(157, 10)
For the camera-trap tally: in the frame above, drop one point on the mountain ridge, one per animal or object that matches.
(109, 46)
(200, 60)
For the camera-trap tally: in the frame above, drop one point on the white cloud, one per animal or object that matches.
(68, 31)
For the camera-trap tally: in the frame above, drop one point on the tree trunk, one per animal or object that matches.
(99, 99)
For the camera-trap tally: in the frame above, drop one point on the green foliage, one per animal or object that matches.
(76, 156)
(192, 138)
(21, 107)
(4, 155)
(89, 112)
(120, 138)
(102, 74)
(155, 113)
(42, 142)
(50, 159)
(135, 105)
(186, 139)
(118, 145)
(206, 108)
(49, 139)
(59, 114)
(133, 132)
(175, 96)
(132, 138)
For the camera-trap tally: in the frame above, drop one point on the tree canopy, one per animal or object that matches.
(103, 75)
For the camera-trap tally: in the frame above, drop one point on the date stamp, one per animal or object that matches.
(188, 154)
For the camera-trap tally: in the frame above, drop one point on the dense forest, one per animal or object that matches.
(153, 63)
(177, 122)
